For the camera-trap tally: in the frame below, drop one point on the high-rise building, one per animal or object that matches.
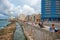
(50, 10)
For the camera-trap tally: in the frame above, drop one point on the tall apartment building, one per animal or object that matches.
(50, 10)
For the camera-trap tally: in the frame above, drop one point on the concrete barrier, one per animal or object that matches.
(39, 34)
(8, 32)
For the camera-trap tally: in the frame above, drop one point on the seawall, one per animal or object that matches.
(7, 33)
(35, 33)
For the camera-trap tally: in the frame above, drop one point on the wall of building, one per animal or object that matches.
(50, 10)
(22, 17)
(33, 18)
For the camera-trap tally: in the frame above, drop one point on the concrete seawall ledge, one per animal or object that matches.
(29, 37)
(8, 32)
(36, 33)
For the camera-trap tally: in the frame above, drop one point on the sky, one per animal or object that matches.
(16, 7)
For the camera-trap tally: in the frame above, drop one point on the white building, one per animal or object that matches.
(22, 17)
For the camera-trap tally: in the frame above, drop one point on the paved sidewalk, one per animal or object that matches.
(57, 25)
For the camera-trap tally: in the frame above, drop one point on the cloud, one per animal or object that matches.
(5, 6)
(36, 4)
(2, 15)
(9, 6)
(27, 7)
(28, 10)
(7, 3)
(33, 2)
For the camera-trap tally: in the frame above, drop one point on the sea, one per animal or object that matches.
(19, 34)
(3, 23)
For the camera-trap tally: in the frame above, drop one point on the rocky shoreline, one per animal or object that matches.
(7, 33)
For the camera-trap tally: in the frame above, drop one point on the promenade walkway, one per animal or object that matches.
(19, 34)
(57, 25)
(36, 33)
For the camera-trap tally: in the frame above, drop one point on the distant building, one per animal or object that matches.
(27, 18)
(33, 18)
(50, 10)
(22, 17)
(37, 18)
(12, 19)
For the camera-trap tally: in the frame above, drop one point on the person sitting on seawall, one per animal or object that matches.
(41, 25)
(53, 29)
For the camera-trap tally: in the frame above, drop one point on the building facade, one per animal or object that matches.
(22, 17)
(33, 18)
(28, 18)
(37, 18)
(50, 10)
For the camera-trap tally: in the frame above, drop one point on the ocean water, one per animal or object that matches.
(3, 23)
(18, 35)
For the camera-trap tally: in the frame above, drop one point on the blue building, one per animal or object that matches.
(50, 10)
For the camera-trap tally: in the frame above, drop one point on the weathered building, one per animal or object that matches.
(33, 18)
(22, 17)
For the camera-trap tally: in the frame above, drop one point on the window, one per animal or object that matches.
(57, 3)
(47, 0)
(34, 18)
(57, 8)
(57, 11)
(48, 11)
(47, 8)
(57, 0)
